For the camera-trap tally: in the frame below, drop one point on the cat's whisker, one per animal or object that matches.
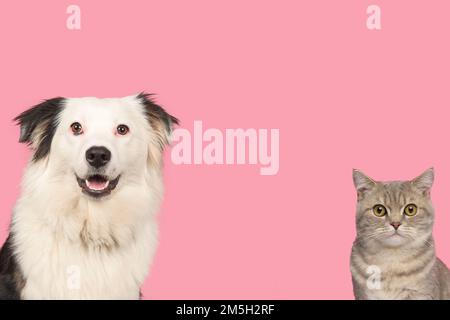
(372, 235)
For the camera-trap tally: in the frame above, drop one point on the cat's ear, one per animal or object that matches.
(424, 182)
(362, 183)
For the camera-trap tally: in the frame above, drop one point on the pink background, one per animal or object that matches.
(341, 95)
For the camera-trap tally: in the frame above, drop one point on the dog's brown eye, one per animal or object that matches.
(410, 210)
(122, 129)
(379, 210)
(76, 128)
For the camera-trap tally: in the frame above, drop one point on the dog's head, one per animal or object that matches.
(98, 142)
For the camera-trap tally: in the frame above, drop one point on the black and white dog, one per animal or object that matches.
(85, 226)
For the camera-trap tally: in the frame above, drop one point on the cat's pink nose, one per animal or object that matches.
(396, 225)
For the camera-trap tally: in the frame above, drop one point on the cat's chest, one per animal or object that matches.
(380, 277)
(400, 294)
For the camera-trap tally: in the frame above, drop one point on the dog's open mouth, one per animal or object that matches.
(97, 185)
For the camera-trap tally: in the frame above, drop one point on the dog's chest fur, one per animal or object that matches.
(81, 249)
(59, 269)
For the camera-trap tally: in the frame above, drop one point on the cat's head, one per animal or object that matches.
(394, 213)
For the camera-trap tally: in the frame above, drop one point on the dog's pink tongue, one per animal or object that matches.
(97, 185)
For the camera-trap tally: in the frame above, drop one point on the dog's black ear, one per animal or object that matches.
(38, 126)
(159, 119)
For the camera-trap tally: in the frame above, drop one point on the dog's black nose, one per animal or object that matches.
(98, 156)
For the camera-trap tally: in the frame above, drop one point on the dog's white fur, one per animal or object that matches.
(111, 258)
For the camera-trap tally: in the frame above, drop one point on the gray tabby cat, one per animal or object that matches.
(393, 256)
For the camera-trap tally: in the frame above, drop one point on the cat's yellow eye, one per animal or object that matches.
(410, 210)
(379, 210)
